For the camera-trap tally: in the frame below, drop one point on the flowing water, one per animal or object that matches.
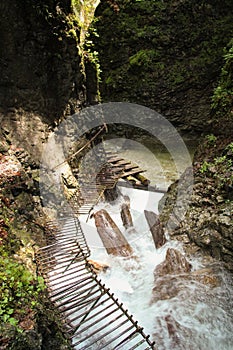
(200, 315)
(161, 167)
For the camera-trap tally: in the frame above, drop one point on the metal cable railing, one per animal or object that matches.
(94, 318)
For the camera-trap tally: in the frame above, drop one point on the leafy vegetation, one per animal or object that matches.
(19, 289)
(151, 52)
(84, 11)
(220, 167)
(143, 58)
(211, 139)
(222, 100)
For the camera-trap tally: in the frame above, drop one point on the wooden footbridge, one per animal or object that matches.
(115, 170)
(93, 317)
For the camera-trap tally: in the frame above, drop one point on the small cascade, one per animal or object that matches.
(182, 301)
(93, 317)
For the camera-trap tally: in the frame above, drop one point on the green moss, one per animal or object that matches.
(19, 290)
(149, 47)
(222, 100)
(220, 168)
(143, 58)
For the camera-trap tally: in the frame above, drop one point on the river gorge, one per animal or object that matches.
(148, 83)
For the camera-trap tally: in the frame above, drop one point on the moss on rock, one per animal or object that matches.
(164, 55)
(27, 317)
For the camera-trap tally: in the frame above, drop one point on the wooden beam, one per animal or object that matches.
(131, 172)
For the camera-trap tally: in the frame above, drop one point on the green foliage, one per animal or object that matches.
(90, 52)
(220, 168)
(204, 167)
(19, 289)
(153, 39)
(211, 140)
(143, 58)
(229, 148)
(84, 11)
(222, 100)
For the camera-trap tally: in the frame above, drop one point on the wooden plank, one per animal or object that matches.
(115, 159)
(131, 166)
(124, 183)
(120, 162)
(117, 170)
(131, 172)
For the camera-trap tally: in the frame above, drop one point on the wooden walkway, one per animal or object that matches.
(93, 317)
(90, 192)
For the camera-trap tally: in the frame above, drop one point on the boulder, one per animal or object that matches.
(126, 216)
(174, 274)
(175, 263)
(112, 238)
(156, 228)
(98, 267)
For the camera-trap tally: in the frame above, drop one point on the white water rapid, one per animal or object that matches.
(198, 317)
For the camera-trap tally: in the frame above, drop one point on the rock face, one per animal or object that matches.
(149, 55)
(207, 225)
(44, 74)
(173, 329)
(41, 82)
(174, 274)
(22, 228)
(97, 266)
(166, 284)
(40, 63)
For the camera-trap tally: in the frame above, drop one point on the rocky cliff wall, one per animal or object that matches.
(43, 79)
(165, 55)
(39, 58)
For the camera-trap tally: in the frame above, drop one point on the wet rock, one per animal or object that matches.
(174, 332)
(167, 285)
(208, 223)
(112, 238)
(3, 147)
(174, 275)
(98, 267)
(126, 216)
(165, 288)
(205, 276)
(175, 263)
(156, 228)
(127, 200)
(112, 194)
